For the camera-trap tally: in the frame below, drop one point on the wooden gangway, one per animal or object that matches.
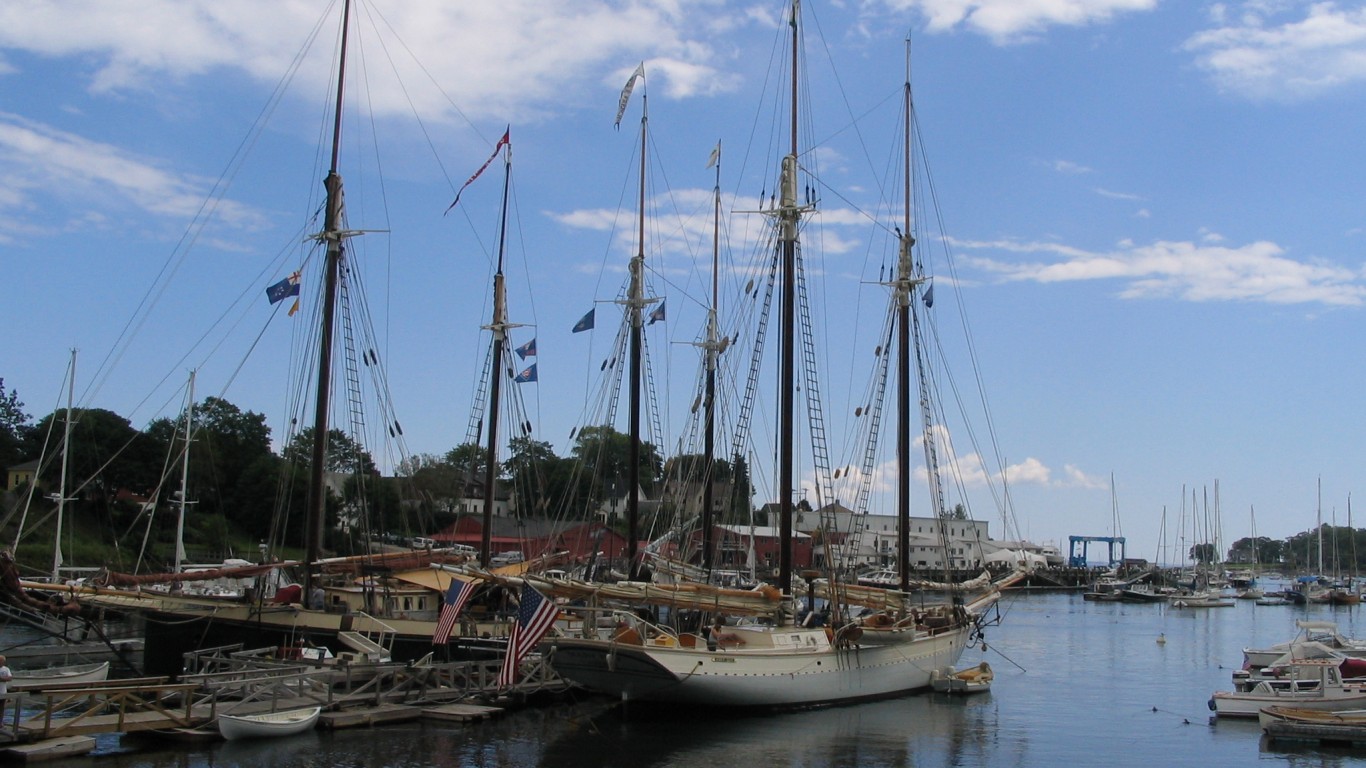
(75, 709)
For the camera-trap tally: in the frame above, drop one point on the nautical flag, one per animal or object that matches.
(657, 314)
(585, 323)
(535, 615)
(527, 375)
(456, 597)
(626, 92)
(527, 350)
(928, 298)
(283, 289)
(715, 155)
(294, 308)
(505, 141)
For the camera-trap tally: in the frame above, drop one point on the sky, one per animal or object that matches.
(1153, 210)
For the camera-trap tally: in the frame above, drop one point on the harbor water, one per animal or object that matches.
(1076, 682)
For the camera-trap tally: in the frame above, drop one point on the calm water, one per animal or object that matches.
(1076, 682)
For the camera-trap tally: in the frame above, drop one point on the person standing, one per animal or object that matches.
(5, 676)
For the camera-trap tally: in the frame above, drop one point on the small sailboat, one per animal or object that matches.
(268, 724)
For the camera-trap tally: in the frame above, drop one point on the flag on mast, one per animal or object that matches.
(585, 323)
(456, 597)
(527, 375)
(505, 141)
(626, 92)
(526, 350)
(715, 155)
(657, 314)
(535, 616)
(283, 289)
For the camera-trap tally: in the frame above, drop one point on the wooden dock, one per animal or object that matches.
(49, 749)
(1316, 732)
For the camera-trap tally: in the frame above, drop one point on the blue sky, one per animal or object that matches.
(1154, 209)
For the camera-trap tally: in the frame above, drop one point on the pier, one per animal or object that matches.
(54, 720)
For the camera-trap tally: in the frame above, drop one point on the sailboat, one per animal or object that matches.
(373, 617)
(778, 662)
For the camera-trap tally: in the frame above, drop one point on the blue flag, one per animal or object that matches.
(527, 350)
(929, 296)
(585, 323)
(527, 375)
(283, 289)
(657, 314)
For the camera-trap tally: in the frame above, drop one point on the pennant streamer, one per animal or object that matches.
(496, 149)
(626, 92)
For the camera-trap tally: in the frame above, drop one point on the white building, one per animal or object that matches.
(872, 539)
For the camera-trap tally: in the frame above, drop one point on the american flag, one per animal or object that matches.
(456, 597)
(534, 618)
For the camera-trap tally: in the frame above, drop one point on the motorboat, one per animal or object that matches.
(1311, 631)
(1306, 683)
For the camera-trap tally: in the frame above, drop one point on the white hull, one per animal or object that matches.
(1248, 705)
(269, 724)
(773, 668)
(75, 673)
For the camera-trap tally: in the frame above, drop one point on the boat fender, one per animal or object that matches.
(1210, 704)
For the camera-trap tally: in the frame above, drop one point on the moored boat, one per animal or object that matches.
(974, 679)
(71, 673)
(1306, 683)
(268, 724)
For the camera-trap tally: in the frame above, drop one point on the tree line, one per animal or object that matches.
(123, 484)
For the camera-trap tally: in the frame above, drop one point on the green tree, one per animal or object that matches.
(14, 427)
(1203, 553)
(344, 455)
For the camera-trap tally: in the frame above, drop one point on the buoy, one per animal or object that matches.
(1161, 638)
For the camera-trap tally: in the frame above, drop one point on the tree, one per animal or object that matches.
(604, 453)
(14, 426)
(471, 461)
(1204, 553)
(344, 455)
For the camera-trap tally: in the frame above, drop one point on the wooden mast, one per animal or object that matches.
(333, 236)
(635, 303)
(789, 218)
(712, 349)
(499, 327)
(904, 284)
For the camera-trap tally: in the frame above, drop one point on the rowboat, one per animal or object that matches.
(268, 724)
(974, 679)
(74, 673)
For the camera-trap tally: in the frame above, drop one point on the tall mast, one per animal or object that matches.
(332, 234)
(904, 284)
(789, 218)
(499, 327)
(712, 347)
(66, 461)
(635, 303)
(184, 479)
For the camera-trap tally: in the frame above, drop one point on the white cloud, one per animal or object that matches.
(41, 160)
(1007, 21)
(1117, 195)
(1263, 55)
(1070, 168)
(506, 60)
(1076, 478)
(1186, 270)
